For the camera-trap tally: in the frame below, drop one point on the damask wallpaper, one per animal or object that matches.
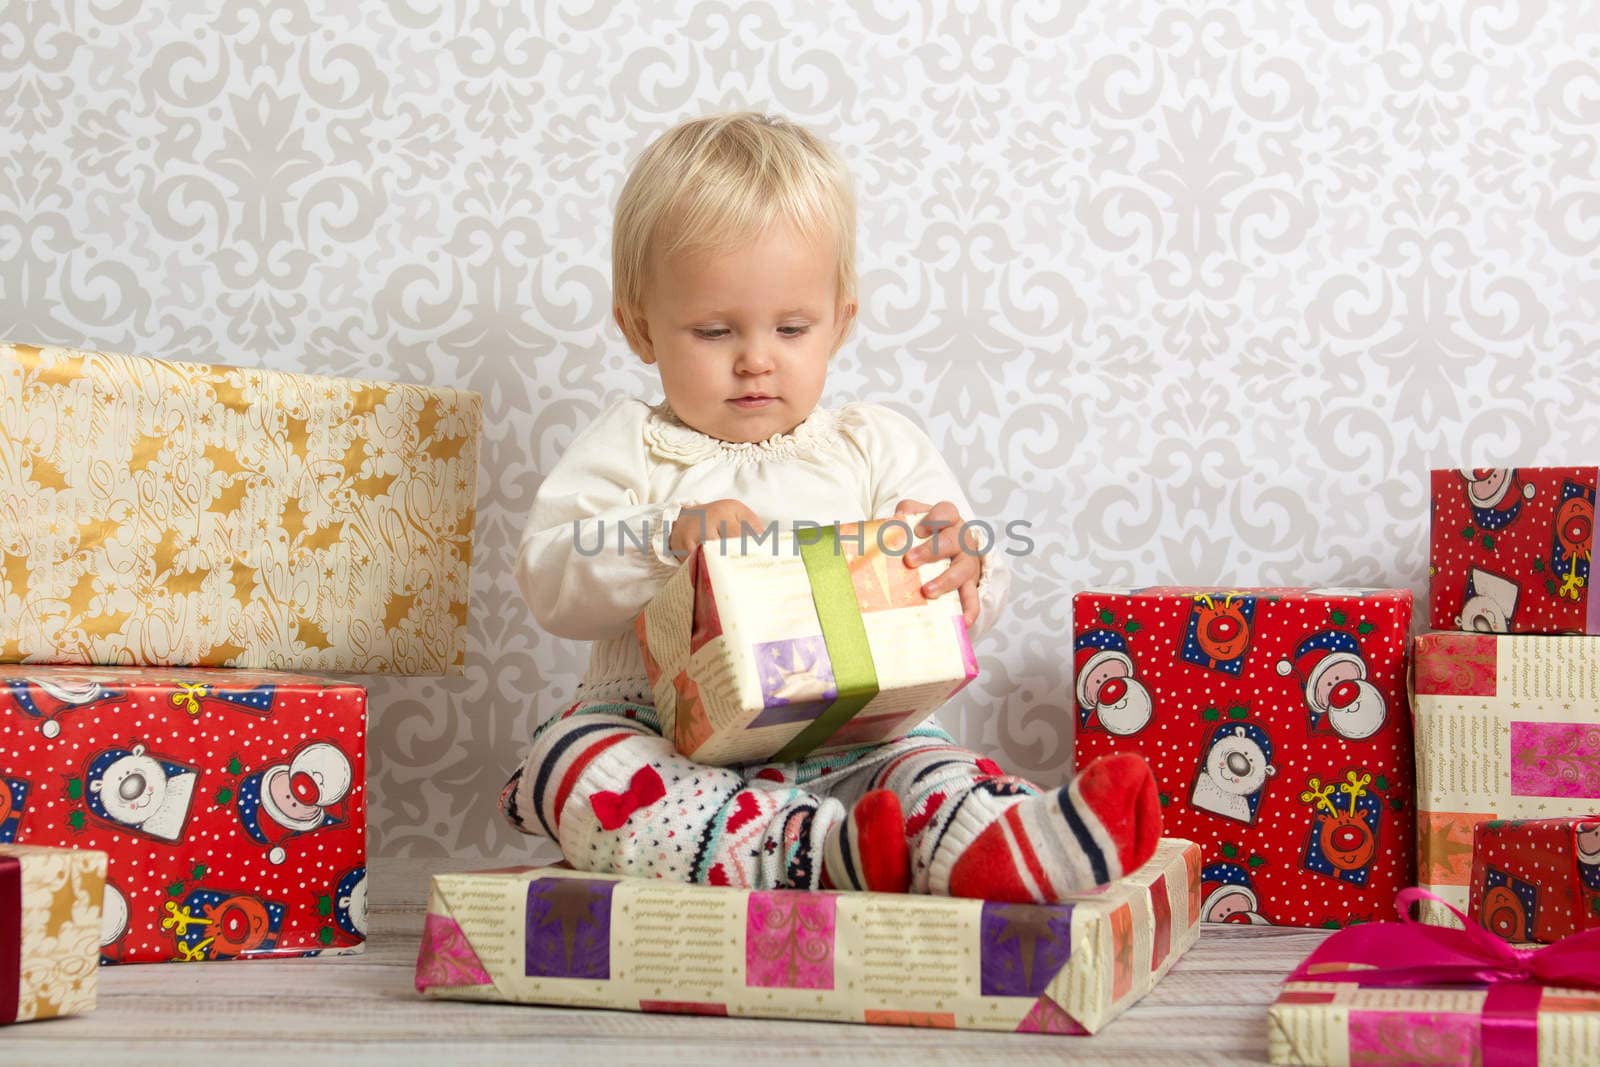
(1199, 290)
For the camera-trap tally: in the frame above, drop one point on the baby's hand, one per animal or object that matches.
(720, 518)
(966, 564)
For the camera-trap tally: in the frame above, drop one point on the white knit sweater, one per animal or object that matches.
(639, 463)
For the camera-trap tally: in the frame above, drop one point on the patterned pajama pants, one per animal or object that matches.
(604, 784)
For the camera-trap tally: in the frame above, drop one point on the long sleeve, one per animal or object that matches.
(571, 571)
(903, 463)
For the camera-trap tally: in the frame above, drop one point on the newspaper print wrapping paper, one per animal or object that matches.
(760, 654)
(50, 899)
(1339, 1024)
(544, 936)
(178, 514)
(1507, 727)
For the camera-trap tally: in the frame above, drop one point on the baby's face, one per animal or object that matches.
(742, 338)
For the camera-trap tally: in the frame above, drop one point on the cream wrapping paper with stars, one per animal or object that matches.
(50, 918)
(548, 936)
(176, 514)
(1508, 727)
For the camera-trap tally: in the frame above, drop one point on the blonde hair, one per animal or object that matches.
(708, 184)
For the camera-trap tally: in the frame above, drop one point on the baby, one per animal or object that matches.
(733, 260)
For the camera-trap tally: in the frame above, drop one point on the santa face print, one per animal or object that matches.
(1486, 486)
(280, 785)
(1353, 705)
(1234, 771)
(303, 795)
(1107, 689)
(137, 791)
(1589, 851)
(1233, 905)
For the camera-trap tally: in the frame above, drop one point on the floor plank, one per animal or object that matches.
(364, 1010)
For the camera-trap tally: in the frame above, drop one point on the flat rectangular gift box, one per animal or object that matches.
(1339, 1024)
(548, 936)
(1508, 727)
(1510, 550)
(178, 514)
(50, 919)
(1536, 879)
(776, 653)
(231, 804)
(1276, 723)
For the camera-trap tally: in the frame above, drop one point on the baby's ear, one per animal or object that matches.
(844, 320)
(637, 335)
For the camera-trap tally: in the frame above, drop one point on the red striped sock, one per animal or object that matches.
(867, 849)
(1039, 849)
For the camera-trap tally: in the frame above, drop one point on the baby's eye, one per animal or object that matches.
(711, 334)
(793, 331)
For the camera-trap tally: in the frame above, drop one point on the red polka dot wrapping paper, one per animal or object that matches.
(1277, 725)
(1536, 879)
(231, 803)
(1510, 550)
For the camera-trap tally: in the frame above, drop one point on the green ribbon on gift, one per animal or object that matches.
(854, 675)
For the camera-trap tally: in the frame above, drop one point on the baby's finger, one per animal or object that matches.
(964, 569)
(969, 603)
(942, 516)
(908, 506)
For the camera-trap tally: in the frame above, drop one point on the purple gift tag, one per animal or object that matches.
(569, 928)
(797, 681)
(1023, 947)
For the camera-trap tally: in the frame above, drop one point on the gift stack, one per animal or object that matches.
(1277, 726)
(1508, 703)
(1506, 706)
(185, 541)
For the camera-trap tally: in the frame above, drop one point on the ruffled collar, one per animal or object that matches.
(670, 438)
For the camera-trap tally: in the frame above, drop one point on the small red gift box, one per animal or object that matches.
(1277, 725)
(1536, 879)
(231, 804)
(1511, 550)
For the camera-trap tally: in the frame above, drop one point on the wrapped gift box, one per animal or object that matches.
(1406, 993)
(1338, 1023)
(1508, 727)
(780, 653)
(49, 931)
(1276, 723)
(172, 513)
(1536, 879)
(546, 936)
(1511, 550)
(231, 804)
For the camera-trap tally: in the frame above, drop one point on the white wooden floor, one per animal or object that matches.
(364, 1010)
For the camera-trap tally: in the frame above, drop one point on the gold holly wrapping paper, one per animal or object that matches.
(802, 644)
(57, 960)
(546, 936)
(169, 514)
(1338, 1023)
(1507, 727)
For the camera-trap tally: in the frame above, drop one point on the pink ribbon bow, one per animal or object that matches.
(613, 809)
(1410, 953)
